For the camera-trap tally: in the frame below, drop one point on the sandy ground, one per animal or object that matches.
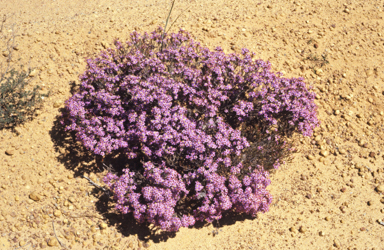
(322, 200)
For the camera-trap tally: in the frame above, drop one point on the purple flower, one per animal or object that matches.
(180, 110)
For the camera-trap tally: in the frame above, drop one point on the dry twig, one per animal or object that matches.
(61, 244)
(98, 186)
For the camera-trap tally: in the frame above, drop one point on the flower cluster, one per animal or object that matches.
(178, 109)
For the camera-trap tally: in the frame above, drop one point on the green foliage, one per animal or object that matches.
(17, 104)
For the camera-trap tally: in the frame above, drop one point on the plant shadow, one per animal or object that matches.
(77, 159)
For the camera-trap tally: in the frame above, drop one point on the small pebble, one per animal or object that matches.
(9, 152)
(52, 242)
(22, 243)
(72, 199)
(57, 213)
(35, 196)
(336, 243)
(310, 157)
(146, 244)
(372, 154)
(57, 104)
(302, 229)
(33, 73)
(380, 189)
(324, 153)
(103, 225)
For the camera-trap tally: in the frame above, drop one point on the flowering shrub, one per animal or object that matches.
(200, 123)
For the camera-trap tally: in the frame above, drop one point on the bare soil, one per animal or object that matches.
(327, 197)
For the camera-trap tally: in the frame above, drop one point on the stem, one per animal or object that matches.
(166, 23)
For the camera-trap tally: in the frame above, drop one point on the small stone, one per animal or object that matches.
(104, 44)
(362, 143)
(293, 229)
(52, 242)
(337, 112)
(343, 209)
(343, 190)
(146, 244)
(321, 233)
(310, 157)
(22, 243)
(33, 73)
(319, 72)
(347, 11)
(372, 154)
(103, 225)
(89, 222)
(302, 229)
(380, 189)
(324, 153)
(35, 196)
(57, 104)
(72, 199)
(9, 152)
(327, 218)
(362, 229)
(342, 151)
(336, 243)
(57, 213)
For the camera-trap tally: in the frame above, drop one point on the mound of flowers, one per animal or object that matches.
(201, 124)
